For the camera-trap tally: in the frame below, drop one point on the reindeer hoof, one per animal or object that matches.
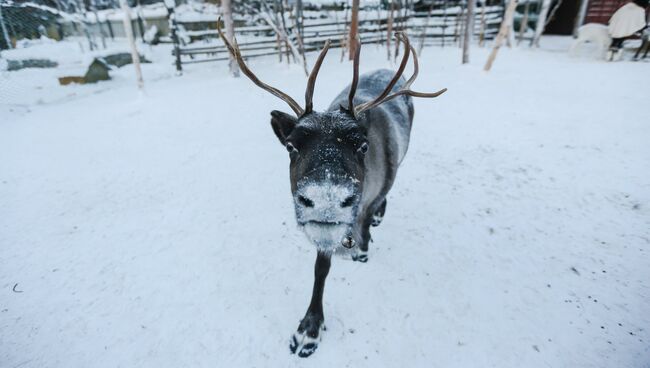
(378, 216)
(376, 220)
(304, 342)
(360, 256)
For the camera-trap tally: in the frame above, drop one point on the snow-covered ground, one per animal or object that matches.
(157, 230)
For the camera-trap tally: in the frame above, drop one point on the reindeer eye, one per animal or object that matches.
(291, 148)
(363, 148)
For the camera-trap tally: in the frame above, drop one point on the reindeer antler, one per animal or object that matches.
(236, 53)
(405, 89)
(309, 93)
(355, 77)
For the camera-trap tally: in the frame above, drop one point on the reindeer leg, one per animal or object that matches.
(374, 218)
(305, 341)
(378, 216)
(638, 51)
(360, 254)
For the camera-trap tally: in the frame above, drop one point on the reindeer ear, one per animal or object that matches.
(282, 124)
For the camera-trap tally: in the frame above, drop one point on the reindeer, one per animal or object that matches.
(343, 162)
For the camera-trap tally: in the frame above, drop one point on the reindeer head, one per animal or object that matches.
(328, 149)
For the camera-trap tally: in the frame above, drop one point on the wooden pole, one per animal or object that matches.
(299, 17)
(134, 50)
(424, 30)
(481, 37)
(5, 34)
(276, 7)
(457, 27)
(510, 37)
(503, 32)
(354, 29)
(346, 28)
(287, 49)
(173, 26)
(139, 19)
(444, 24)
(93, 7)
(541, 22)
(301, 48)
(524, 23)
(469, 28)
(389, 27)
(399, 26)
(580, 18)
(226, 8)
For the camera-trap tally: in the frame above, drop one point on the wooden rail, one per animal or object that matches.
(440, 27)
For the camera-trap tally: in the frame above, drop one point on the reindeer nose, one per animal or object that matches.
(325, 196)
(305, 201)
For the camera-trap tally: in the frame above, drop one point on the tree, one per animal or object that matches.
(580, 17)
(524, 23)
(226, 8)
(469, 29)
(129, 35)
(354, 29)
(5, 34)
(541, 22)
(424, 29)
(389, 26)
(503, 32)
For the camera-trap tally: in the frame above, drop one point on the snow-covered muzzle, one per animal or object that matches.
(327, 171)
(326, 211)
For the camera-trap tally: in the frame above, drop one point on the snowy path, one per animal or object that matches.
(159, 232)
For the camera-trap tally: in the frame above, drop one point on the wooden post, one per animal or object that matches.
(93, 7)
(444, 24)
(510, 37)
(524, 23)
(299, 17)
(5, 34)
(469, 29)
(481, 37)
(503, 32)
(399, 26)
(354, 29)
(283, 35)
(389, 27)
(580, 18)
(298, 32)
(226, 8)
(173, 26)
(424, 30)
(134, 50)
(110, 29)
(278, 44)
(457, 27)
(541, 22)
(301, 49)
(287, 49)
(139, 19)
(346, 28)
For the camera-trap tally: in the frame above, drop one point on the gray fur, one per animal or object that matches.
(389, 128)
(341, 170)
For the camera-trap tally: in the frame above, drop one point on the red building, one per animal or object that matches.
(574, 13)
(599, 11)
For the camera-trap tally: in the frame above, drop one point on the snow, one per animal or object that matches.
(27, 87)
(159, 231)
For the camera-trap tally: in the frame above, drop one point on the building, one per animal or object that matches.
(599, 11)
(572, 14)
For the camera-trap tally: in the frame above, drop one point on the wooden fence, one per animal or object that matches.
(440, 27)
